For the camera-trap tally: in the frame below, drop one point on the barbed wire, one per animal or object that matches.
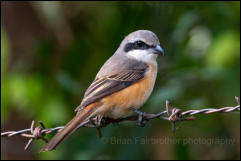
(174, 115)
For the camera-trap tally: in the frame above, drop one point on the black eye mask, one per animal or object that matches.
(137, 45)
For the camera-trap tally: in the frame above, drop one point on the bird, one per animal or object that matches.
(126, 80)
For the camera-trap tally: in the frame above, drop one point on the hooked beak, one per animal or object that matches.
(159, 50)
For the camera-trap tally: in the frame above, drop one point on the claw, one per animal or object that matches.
(97, 124)
(141, 117)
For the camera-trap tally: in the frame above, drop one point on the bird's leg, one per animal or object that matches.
(141, 117)
(99, 119)
(97, 123)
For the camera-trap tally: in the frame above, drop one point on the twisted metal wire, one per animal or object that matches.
(174, 115)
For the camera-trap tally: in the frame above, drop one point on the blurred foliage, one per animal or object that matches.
(52, 55)
(4, 51)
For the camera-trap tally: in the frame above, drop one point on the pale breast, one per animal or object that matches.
(117, 105)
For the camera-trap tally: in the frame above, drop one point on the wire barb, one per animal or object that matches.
(173, 115)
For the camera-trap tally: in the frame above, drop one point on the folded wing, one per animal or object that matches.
(107, 85)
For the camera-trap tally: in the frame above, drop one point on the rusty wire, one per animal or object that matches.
(174, 115)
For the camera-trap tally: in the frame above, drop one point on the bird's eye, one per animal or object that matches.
(140, 44)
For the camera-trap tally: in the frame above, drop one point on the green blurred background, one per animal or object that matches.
(51, 52)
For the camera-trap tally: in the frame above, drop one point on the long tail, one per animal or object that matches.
(80, 117)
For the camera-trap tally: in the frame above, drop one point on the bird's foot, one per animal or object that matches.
(97, 122)
(142, 117)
